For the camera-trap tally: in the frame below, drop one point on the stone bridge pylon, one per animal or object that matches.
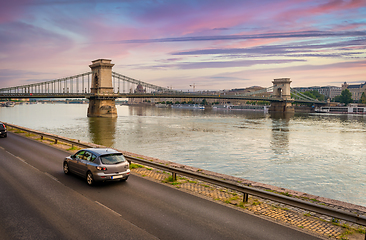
(102, 103)
(282, 89)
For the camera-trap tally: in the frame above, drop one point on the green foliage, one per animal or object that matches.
(312, 94)
(175, 183)
(263, 103)
(337, 98)
(169, 179)
(361, 230)
(346, 97)
(72, 148)
(363, 98)
(315, 94)
(204, 102)
(134, 165)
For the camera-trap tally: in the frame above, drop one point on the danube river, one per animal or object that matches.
(323, 155)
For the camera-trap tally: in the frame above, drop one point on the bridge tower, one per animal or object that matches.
(102, 103)
(282, 90)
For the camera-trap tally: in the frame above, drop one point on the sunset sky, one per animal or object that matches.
(214, 44)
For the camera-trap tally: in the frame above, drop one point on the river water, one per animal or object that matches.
(322, 155)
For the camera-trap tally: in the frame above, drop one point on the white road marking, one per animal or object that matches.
(119, 215)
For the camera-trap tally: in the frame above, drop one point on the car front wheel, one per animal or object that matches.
(66, 168)
(89, 178)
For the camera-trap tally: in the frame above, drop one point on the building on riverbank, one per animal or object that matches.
(355, 89)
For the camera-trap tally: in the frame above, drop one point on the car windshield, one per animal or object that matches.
(112, 158)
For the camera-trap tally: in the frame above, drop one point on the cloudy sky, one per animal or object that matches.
(214, 44)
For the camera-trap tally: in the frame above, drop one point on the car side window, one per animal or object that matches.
(93, 158)
(80, 155)
(87, 156)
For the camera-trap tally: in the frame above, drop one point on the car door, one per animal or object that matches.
(85, 162)
(76, 165)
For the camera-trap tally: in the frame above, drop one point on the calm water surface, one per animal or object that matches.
(318, 154)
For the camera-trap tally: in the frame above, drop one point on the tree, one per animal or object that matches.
(346, 97)
(337, 98)
(312, 94)
(363, 98)
(315, 94)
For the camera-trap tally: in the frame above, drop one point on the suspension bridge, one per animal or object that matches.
(102, 86)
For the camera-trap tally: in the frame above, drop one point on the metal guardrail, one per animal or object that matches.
(298, 203)
(312, 207)
(56, 138)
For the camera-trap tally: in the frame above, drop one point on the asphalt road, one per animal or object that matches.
(38, 201)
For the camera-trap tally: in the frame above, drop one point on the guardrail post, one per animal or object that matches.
(245, 197)
(55, 141)
(174, 176)
(41, 137)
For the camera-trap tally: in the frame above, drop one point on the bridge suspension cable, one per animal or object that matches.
(302, 96)
(74, 84)
(81, 84)
(146, 87)
(265, 90)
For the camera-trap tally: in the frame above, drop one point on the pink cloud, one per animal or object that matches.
(301, 13)
(252, 43)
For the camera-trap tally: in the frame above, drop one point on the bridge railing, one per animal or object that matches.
(246, 190)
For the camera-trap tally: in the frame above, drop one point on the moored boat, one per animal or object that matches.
(9, 104)
(350, 109)
(189, 106)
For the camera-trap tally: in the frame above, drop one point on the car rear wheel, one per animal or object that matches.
(89, 178)
(66, 168)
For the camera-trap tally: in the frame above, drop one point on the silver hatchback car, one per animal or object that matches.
(98, 164)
